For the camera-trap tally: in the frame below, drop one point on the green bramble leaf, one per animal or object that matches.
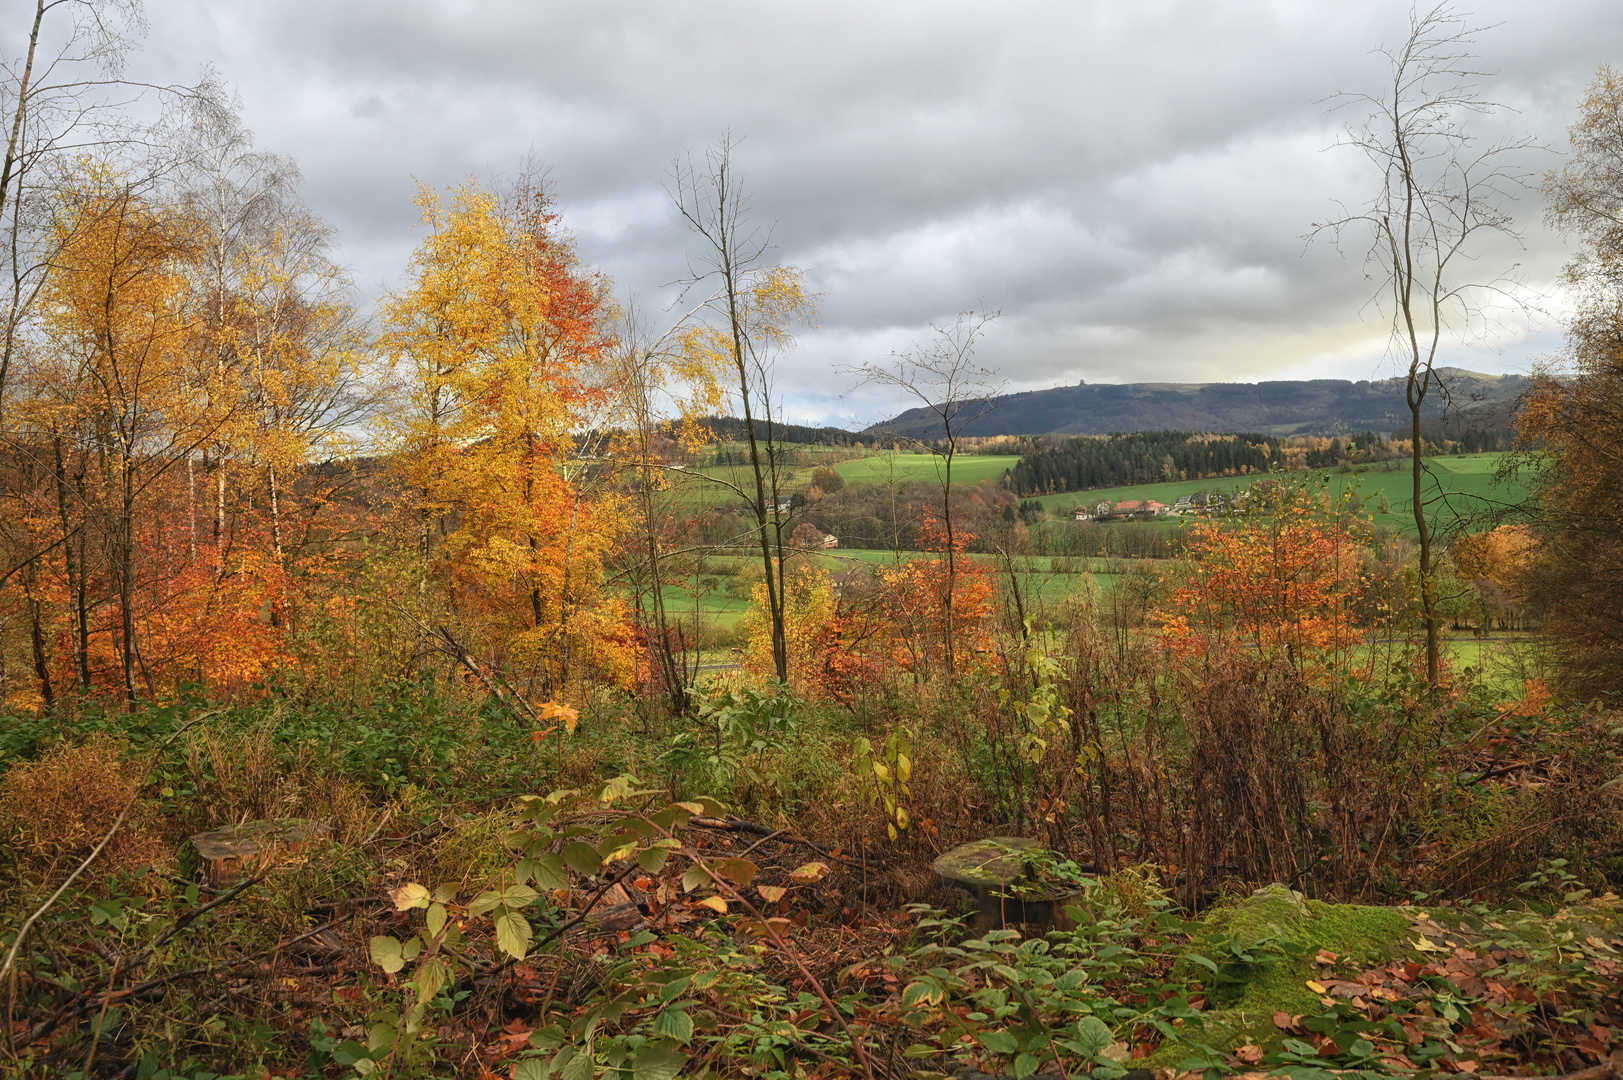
(431, 976)
(999, 1042)
(532, 1069)
(435, 919)
(674, 1024)
(386, 954)
(657, 1063)
(513, 934)
(485, 902)
(548, 872)
(924, 992)
(576, 1066)
(582, 858)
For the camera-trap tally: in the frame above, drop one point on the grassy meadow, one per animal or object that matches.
(1459, 488)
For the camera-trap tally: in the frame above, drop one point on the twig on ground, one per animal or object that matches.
(7, 969)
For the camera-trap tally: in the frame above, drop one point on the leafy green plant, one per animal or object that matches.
(890, 774)
(734, 731)
(1553, 876)
(1024, 1003)
(1045, 714)
(1235, 960)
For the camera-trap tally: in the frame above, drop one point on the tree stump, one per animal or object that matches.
(229, 853)
(994, 872)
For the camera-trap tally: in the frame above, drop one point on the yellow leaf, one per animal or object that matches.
(772, 893)
(557, 710)
(1425, 944)
(812, 871)
(408, 896)
(1317, 987)
(714, 903)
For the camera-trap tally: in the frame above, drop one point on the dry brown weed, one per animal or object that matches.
(240, 775)
(55, 810)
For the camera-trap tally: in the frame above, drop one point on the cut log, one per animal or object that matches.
(994, 872)
(227, 854)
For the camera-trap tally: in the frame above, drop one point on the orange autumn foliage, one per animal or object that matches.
(909, 614)
(1291, 584)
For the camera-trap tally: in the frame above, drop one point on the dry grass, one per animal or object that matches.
(241, 776)
(55, 810)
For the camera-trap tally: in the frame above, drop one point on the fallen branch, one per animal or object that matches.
(7, 969)
(735, 825)
(90, 1000)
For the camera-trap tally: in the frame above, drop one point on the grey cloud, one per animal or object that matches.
(1129, 182)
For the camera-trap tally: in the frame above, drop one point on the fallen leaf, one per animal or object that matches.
(1326, 957)
(1317, 987)
(1251, 1055)
(714, 903)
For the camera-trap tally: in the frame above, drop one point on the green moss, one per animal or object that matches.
(1291, 931)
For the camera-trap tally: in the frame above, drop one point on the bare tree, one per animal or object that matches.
(1441, 199)
(64, 96)
(754, 301)
(943, 376)
(641, 381)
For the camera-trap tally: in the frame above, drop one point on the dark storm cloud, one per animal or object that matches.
(1129, 182)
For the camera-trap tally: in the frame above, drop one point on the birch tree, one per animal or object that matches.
(1440, 205)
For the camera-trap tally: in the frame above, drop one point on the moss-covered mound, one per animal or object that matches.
(1257, 956)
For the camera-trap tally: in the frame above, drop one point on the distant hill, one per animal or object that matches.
(1296, 407)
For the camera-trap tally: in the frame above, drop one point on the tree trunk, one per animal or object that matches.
(1428, 584)
(36, 635)
(191, 506)
(774, 582)
(952, 564)
(124, 567)
(75, 580)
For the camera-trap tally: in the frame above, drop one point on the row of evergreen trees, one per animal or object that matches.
(1145, 457)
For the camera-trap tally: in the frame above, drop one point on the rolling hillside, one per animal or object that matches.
(1317, 406)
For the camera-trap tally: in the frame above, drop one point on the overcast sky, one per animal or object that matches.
(1128, 181)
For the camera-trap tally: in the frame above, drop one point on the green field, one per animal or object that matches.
(1458, 489)
(967, 469)
(699, 487)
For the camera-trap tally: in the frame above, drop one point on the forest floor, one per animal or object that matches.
(686, 939)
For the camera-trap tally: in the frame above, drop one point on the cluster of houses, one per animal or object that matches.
(1143, 509)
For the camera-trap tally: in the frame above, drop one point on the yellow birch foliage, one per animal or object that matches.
(501, 338)
(808, 610)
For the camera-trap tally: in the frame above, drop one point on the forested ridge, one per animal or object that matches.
(1145, 457)
(1308, 406)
